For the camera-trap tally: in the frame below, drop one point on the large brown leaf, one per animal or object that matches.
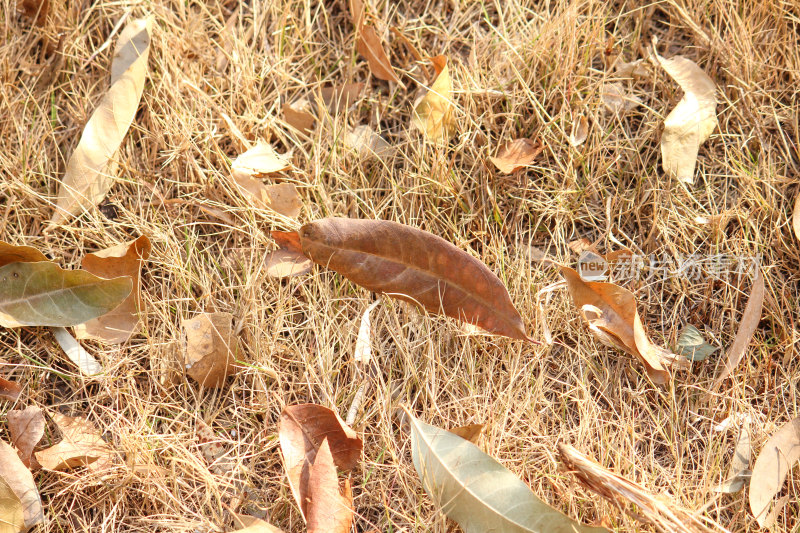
(778, 457)
(122, 260)
(303, 429)
(611, 314)
(415, 266)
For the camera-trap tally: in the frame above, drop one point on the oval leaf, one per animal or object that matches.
(415, 266)
(44, 294)
(329, 510)
(779, 455)
(20, 503)
(478, 492)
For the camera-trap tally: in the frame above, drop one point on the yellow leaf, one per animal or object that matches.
(433, 110)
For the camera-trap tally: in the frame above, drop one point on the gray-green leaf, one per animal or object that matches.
(693, 346)
(478, 492)
(44, 294)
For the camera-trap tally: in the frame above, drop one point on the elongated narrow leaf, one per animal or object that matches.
(369, 45)
(611, 313)
(747, 326)
(87, 178)
(478, 492)
(779, 455)
(415, 266)
(44, 294)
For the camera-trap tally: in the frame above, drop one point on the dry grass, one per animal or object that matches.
(545, 63)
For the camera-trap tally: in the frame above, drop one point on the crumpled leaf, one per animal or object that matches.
(693, 346)
(476, 491)
(580, 131)
(693, 119)
(118, 325)
(329, 510)
(364, 141)
(617, 100)
(81, 445)
(251, 524)
(302, 430)
(773, 464)
(650, 508)
(211, 348)
(26, 427)
(35, 10)
(415, 266)
(747, 326)
(219, 461)
(44, 294)
(433, 110)
(516, 155)
(369, 45)
(257, 162)
(632, 69)
(611, 314)
(20, 504)
(87, 178)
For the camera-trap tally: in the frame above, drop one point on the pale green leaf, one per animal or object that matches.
(44, 294)
(478, 492)
(693, 346)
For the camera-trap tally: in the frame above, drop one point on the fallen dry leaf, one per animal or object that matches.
(611, 314)
(118, 325)
(693, 119)
(414, 266)
(364, 141)
(633, 69)
(516, 155)
(338, 98)
(773, 464)
(215, 454)
(283, 263)
(211, 348)
(747, 326)
(471, 432)
(87, 178)
(739, 471)
(363, 352)
(329, 510)
(44, 294)
(369, 45)
(302, 430)
(256, 163)
(20, 504)
(26, 427)
(617, 100)
(19, 254)
(35, 10)
(356, 12)
(298, 115)
(81, 445)
(289, 240)
(650, 508)
(433, 109)
(580, 131)
(10, 390)
(86, 363)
